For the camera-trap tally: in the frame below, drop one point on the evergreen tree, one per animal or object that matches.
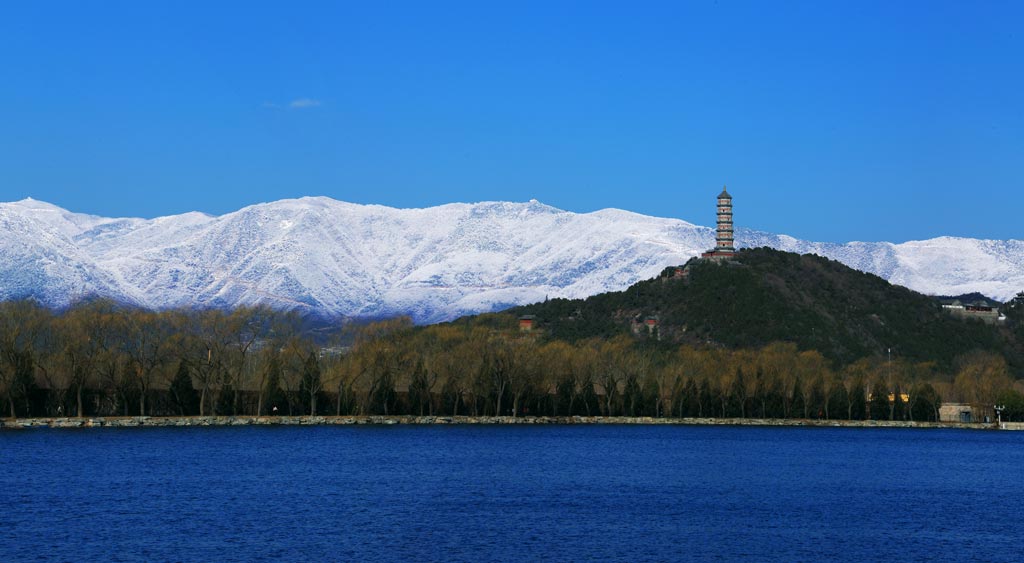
(705, 404)
(689, 402)
(1013, 405)
(565, 389)
(651, 398)
(858, 400)
(925, 403)
(775, 403)
(838, 402)
(226, 401)
(183, 393)
(796, 400)
(274, 400)
(879, 405)
(816, 400)
(900, 410)
(632, 396)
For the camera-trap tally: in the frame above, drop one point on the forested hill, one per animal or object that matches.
(766, 295)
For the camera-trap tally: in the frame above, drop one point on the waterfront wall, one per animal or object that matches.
(183, 421)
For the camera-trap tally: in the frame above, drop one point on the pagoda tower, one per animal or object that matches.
(724, 248)
(723, 233)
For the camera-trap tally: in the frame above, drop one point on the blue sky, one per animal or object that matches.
(828, 120)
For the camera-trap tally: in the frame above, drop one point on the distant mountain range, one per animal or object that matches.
(332, 258)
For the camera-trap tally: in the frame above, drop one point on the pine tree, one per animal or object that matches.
(838, 402)
(925, 403)
(796, 402)
(184, 394)
(274, 401)
(704, 405)
(226, 401)
(858, 400)
(879, 406)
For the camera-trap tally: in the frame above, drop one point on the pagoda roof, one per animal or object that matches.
(724, 194)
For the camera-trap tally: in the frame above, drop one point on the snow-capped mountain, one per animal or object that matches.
(337, 258)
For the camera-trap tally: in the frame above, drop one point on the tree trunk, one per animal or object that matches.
(78, 397)
(202, 402)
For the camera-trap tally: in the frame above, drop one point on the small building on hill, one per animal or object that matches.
(980, 309)
(527, 322)
(649, 324)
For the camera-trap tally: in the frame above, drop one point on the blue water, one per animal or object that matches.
(503, 493)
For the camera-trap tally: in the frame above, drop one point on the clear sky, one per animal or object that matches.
(829, 120)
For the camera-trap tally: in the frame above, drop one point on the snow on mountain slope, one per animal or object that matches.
(337, 258)
(38, 259)
(434, 263)
(939, 266)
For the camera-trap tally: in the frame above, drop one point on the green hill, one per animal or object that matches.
(764, 296)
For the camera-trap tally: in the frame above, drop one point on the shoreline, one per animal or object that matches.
(306, 420)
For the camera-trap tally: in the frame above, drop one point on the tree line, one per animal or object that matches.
(100, 358)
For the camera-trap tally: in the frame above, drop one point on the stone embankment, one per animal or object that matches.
(168, 421)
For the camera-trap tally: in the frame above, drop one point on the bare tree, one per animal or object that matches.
(147, 346)
(20, 325)
(612, 358)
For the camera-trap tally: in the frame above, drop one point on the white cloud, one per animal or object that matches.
(303, 103)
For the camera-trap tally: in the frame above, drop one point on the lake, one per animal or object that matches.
(510, 493)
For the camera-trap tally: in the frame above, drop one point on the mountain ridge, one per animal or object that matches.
(337, 258)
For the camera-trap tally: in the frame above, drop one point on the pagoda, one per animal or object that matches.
(724, 249)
